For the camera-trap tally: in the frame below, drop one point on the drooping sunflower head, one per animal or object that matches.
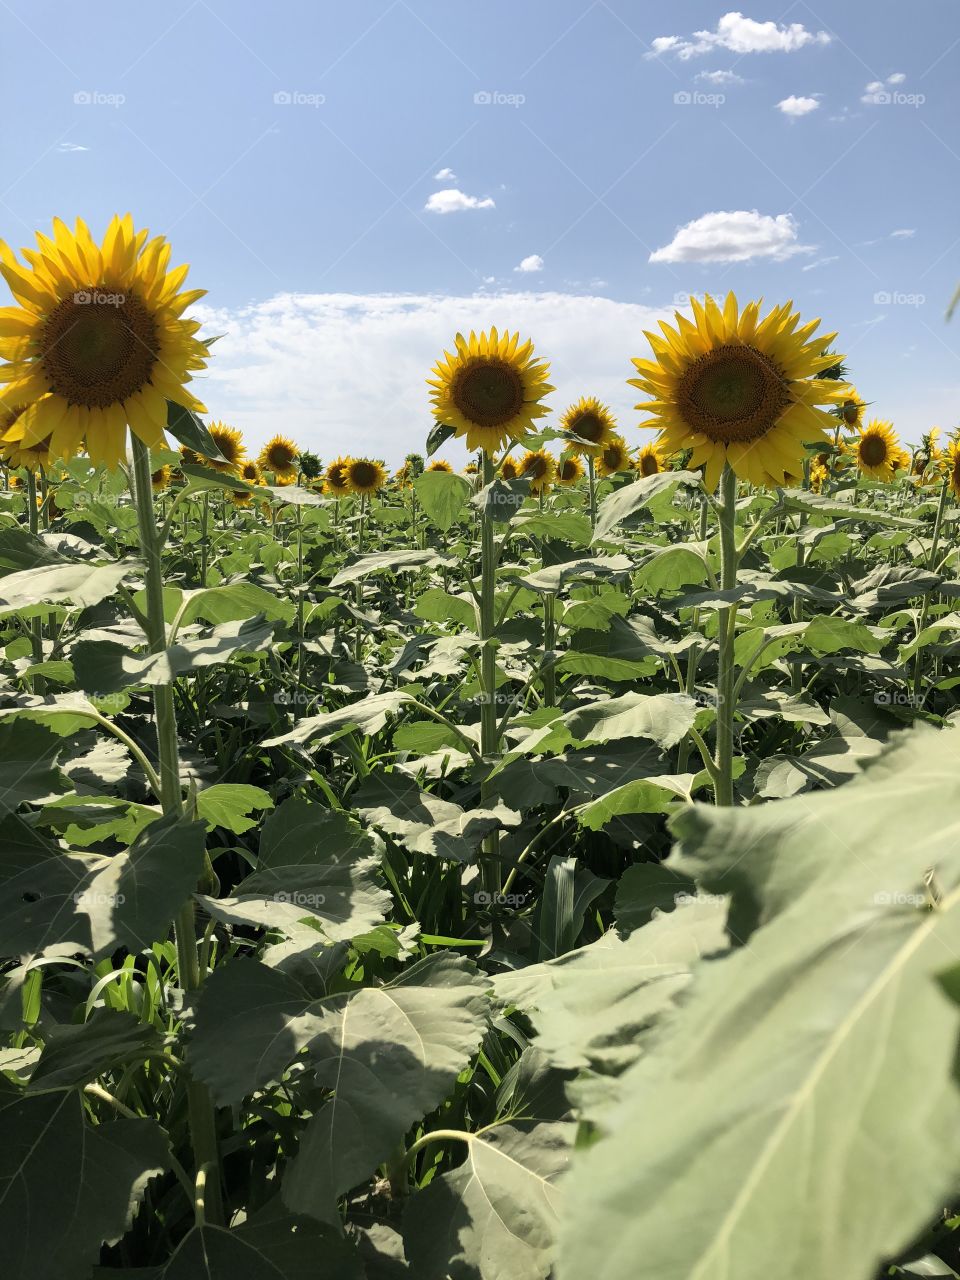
(97, 341)
(310, 464)
(613, 457)
(439, 464)
(280, 455)
(230, 443)
(160, 479)
(29, 457)
(649, 461)
(539, 468)
(490, 390)
(735, 388)
(569, 470)
(878, 450)
(336, 480)
(509, 469)
(590, 425)
(403, 477)
(365, 475)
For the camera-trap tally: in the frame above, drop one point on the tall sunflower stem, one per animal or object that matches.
(549, 645)
(931, 562)
(489, 736)
(726, 674)
(37, 683)
(592, 482)
(202, 1116)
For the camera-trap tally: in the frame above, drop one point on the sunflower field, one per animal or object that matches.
(543, 869)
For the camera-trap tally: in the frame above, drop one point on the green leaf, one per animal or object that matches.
(496, 1215)
(234, 602)
(633, 497)
(501, 500)
(20, 549)
(662, 717)
(74, 1054)
(648, 887)
(809, 1058)
(368, 715)
(442, 495)
(390, 562)
(184, 425)
(28, 764)
(80, 585)
(66, 1186)
(229, 805)
(556, 576)
(424, 823)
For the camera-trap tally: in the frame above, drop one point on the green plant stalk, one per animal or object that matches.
(204, 539)
(592, 481)
(931, 562)
(726, 674)
(37, 683)
(489, 736)
(693, 656)
(202, 1116)
(549, 645)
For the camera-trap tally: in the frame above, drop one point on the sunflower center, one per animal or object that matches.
(535, 468)
(488, 393)
(733, 393)
(363, 474)
(873, 451)
(612, 458)
(850, 412)
(567, 471)
(649, 465)
(588, 427)
(99, 348)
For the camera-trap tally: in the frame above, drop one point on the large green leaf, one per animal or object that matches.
(368, 715)
(102, 666)
(28, 764)
(80, 585)
(443, 495)
(631, 498)
(74, 1054)
(799, 1116)
(390, 562)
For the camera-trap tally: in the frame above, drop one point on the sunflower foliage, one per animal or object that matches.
(668, 1037)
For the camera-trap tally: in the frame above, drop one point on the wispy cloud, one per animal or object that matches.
(720, 77)
(71, 146)
(821, 262)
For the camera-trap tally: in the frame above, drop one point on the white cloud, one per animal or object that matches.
(740, 35)
(734, 236)
(352, 367)
(821, 262)
(877, 91)
(533, 263)
(904, 233)
(450, 200)
(71, 146)
(796, 107)
(445, 175)
(720, 77)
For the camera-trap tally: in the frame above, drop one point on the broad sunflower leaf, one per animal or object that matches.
(368, 715)
(443, 495)
(80, 585)
(75, 1053)
(631, 498)
(390, 562)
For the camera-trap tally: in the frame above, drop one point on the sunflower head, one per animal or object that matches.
(471, 469)
(280, 455)
(160, 479)
(365, 475)
(509, 469)
(648, 460)
(97, 341)
(335, 478)
(230, 443)
(735, 388)
(951, 457)
(310, 465)
(30, 457)
(613, 457)
(878, 451)
(490, 390)
(569, 470)
(590, 425)
(439, 464)
(819, 473)
(851, 408)
(188, 456)
(250, 471)
(240, 498)
(539, 468)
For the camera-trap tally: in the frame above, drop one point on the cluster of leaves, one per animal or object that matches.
(694, 1042)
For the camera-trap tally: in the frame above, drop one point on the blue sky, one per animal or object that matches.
(354, 182)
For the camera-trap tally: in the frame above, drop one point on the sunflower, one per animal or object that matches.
(819, 473)
(402, 477)
(250, 471)
(878, 451)
(188, 456)
(439, 464)
(98, 341)
(509, 469)
(589, 421)
(613, 457)
(490, 390)
(279, 455)
(649, 460)
(31, 457)
(230, 443)
(539, 468)
(160, 479)
(569, 470)
(740, 390)
(471, 469)
(335, 479)
(365, 476)
(951, 459)
(851, 408)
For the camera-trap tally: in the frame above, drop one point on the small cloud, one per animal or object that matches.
(796, 107)
(904, 233)
(739, 35)
(877, 94)
(445, 175)
(489, 279)
(821, 262)
(533, 263)
(720, 77)
(733, 236)
(71, 146)
(451, 200)
(897, 78)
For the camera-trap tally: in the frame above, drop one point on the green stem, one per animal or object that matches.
(925, 609)
(549, 645)
(202, 1116)
(592, 479)
(490, 866)
(726, 675)
(37, 683)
